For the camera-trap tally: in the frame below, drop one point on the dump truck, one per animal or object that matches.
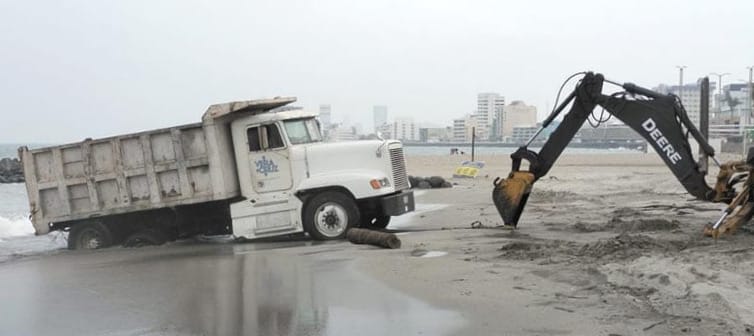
(253, 169)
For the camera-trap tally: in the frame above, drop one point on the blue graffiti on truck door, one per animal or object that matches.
(265, 166)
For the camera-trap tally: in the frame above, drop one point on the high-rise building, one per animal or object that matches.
(380, 116)
(489, 104)
(690, 95)
(325, 115)
(517, 113)
(405, 129)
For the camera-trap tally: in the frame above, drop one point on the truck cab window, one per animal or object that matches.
(264, 137)
(302, 131)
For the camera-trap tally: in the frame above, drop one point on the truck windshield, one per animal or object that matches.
(302, 131)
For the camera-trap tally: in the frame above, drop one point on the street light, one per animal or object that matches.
(749, 107)
(720, 90)
(748, 113)
(680, 80)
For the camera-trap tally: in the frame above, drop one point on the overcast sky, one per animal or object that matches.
(76, 69)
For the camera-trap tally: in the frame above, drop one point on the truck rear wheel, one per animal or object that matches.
(329, 215)
(148, 237)
(89, 236)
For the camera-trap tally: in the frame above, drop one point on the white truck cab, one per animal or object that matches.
(291, 181)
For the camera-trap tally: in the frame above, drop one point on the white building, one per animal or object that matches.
(517, 113)
(489, 104)
(463, 128)
(379, 113)
(405, 129)
(325, 115)
(520, 134)
(690, 95)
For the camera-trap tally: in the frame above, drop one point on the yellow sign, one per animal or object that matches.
(468, 169)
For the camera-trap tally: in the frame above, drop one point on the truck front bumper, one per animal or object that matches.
(398, 204)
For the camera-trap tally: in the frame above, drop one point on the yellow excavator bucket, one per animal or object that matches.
(510, 195)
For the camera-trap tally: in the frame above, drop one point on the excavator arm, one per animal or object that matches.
(659, 118)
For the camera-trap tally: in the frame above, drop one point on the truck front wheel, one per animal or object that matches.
(89, 236)
(329, 215)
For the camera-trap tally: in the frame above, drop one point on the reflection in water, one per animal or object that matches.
(250, 294)
(211, 290)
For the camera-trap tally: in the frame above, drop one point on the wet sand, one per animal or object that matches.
(608, 244)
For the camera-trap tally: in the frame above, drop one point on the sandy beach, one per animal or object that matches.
(609, 244)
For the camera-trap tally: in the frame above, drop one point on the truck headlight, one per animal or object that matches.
(381, 183)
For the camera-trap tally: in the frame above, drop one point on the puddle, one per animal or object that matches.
(213, 290)
(409, 220)
(434, 254)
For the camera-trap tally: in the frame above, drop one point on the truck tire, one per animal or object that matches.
(328, 215)
(148, 237)
(89, 236)
(376, 222)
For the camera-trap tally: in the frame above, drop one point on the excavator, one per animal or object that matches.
(659, 118)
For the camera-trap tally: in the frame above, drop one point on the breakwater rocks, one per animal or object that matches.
(429, 182)
(11, 171)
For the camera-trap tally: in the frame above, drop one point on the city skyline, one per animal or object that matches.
(489, 97)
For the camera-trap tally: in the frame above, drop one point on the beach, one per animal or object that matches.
(609, 244)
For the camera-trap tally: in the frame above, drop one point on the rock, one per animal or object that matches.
(414, 181)
(446, 184)
(424, 185)
(11, 171)
(436, 181)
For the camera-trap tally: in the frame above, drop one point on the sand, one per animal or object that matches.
(608, 244)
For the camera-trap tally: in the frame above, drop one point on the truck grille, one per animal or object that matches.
(398, 162)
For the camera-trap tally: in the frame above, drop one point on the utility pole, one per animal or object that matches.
(749, 106)
(720, 91)
(680, 80)
(747, 119)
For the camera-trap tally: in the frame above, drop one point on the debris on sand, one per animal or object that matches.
(622, 247)
(642, 225)
(376, 238)
(549, 196)
(629, 220)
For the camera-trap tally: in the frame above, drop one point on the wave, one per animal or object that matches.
(15, 227)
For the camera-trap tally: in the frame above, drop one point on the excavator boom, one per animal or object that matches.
(659, 118)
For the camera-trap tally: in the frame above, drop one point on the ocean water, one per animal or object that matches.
(17, 237)
(14, 211)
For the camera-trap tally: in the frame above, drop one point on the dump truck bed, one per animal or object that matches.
(134, 172)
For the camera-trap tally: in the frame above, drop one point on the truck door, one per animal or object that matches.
(269, 159)
(270, 209)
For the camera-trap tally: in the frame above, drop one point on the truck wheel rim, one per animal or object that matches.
(90, 240)
(331, 219)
